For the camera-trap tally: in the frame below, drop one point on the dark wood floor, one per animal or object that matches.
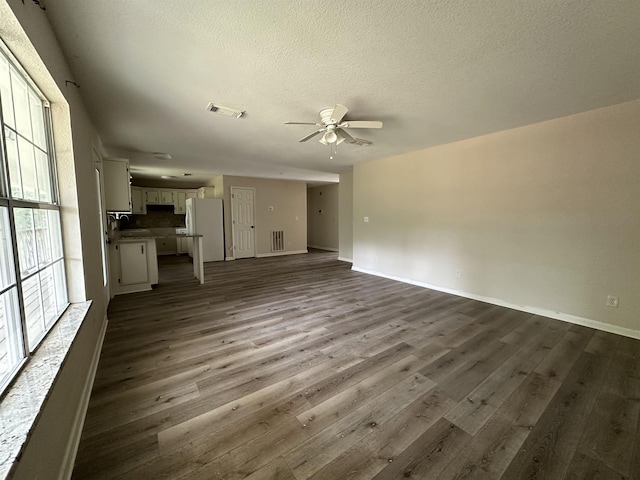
(297, 367)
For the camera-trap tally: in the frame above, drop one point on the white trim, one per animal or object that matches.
(279, 254)
(343, 259)
(329, 249)
(565, 317)
(78, 422)
(227, 259)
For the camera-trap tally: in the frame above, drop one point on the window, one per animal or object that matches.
(33, 292)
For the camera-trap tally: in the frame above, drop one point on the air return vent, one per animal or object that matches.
(277, 241)
(226, 111)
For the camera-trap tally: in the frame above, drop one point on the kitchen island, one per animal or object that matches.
(133, 260)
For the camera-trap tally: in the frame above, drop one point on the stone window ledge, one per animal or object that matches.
(23, 401)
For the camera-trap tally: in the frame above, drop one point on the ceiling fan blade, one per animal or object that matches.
(302, 123)
(362, 143)
(339, 111)
(348, 138)
(361, 124)
(311, 135)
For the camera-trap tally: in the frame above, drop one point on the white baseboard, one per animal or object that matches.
(343, 259)
(78, 421)
(565, 317)
(329, 249)
(278, 254)
(228, 259)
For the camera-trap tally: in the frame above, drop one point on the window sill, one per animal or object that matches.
(24, 400)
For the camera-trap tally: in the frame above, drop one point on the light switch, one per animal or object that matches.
(366, 219)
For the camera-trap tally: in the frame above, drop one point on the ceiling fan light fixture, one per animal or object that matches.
(331, 136)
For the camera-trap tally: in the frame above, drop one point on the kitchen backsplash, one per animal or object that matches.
(153, 219)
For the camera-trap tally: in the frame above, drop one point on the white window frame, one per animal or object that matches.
(28, 346)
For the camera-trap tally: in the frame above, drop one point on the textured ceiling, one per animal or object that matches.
(433, 71)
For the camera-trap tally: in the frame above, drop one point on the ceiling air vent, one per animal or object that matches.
(227, 111)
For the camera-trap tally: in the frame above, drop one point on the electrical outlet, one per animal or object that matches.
(458, 273)
(612, 301)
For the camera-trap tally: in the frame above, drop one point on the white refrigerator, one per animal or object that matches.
(204, 216)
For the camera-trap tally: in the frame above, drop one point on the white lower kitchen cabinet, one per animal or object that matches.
(165, 245)
(134, 266)
(133, 263)
(182, 244)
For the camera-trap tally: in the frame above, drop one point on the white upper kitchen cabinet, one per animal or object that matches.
(138, 204)
(117, 190)
(152, 196)
(180, 205)
(166, 198)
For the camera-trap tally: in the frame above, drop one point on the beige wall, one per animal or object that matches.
(217, 183)
(289, 201)
(346, 216)
(322, 217)
(543, 217)
(36, 47)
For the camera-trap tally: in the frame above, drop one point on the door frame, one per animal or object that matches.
(233, 219)
(104, 227)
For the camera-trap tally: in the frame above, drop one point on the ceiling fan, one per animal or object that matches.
(333, 127)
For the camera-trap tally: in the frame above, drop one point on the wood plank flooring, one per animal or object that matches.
(298, 368)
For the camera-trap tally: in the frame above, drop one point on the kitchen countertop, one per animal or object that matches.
(122, 236)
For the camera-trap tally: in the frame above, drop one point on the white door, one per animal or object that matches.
(243, 224)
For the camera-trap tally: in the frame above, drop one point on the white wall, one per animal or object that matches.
(322, 217)
(289, 201)
(26, 31)
(543, 217)
(345, 198)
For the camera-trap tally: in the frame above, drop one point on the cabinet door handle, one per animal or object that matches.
(142, 249)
